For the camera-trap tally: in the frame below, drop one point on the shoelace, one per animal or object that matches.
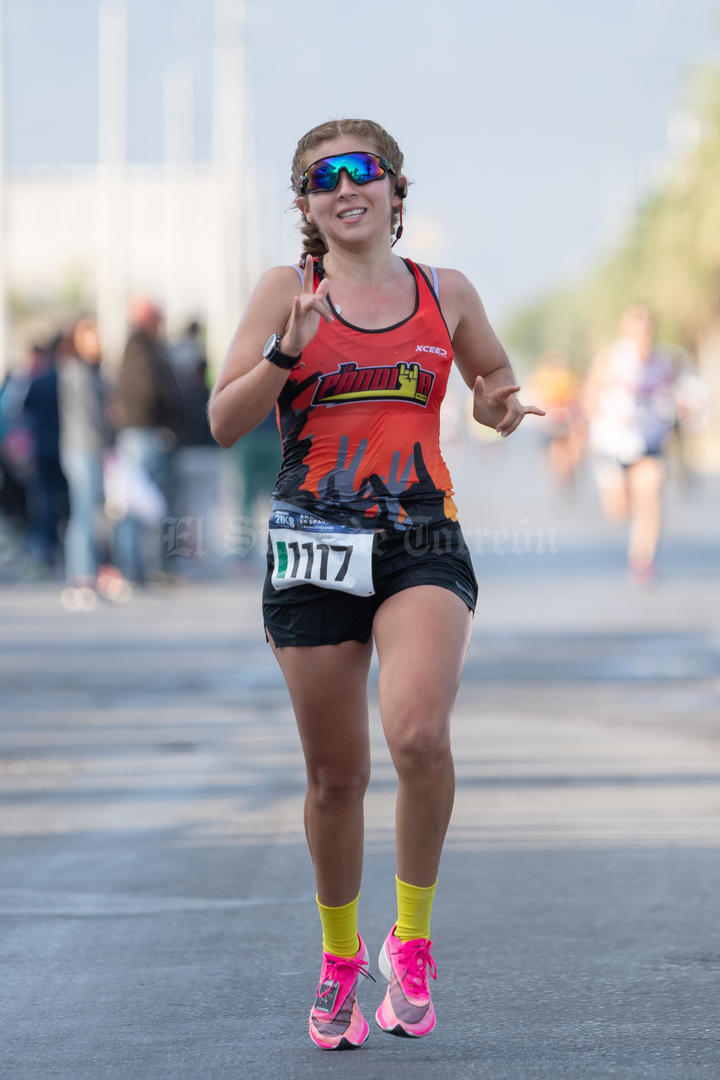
(417, 960)
(357, 965)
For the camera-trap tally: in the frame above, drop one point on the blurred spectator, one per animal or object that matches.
(630, 403)
(193, 509)
(692, 413)
(147, 411)
(556, 387)
(47, 489)
(16, 454)
(189, 364)
(257, 458)
(84, 436)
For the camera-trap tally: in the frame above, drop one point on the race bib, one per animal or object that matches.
(309, 551)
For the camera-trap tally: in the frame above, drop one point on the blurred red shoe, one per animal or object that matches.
(111, 585)
(643, 571)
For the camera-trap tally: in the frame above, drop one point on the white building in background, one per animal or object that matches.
(52, 222)
(187, 235)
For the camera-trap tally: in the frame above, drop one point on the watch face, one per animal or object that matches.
(271, 345)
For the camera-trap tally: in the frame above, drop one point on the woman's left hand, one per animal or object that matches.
(500, 409)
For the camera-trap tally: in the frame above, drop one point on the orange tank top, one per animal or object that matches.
(360, 421)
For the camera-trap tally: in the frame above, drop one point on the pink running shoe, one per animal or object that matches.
(407, 1007)
(336, 1022)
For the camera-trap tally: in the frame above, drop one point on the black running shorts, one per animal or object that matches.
(429, 555)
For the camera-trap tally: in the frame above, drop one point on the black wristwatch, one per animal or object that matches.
(272, 353)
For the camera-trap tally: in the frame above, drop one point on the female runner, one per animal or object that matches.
(355, 348)
(630, 397)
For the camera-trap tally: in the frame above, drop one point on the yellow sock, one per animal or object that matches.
(414, 907)
(339, 927)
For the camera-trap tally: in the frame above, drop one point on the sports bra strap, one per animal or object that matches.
(300, 273)
(436, 287)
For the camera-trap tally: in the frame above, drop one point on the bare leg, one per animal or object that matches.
(645, 481)
(613, 492)
(328, 688)
(422, 635)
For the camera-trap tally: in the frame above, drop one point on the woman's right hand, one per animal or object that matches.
(307, 310)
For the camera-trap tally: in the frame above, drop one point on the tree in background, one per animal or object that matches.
(669, 260)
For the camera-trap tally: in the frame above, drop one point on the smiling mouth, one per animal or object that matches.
(351, 214)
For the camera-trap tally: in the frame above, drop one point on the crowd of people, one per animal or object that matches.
(92, 462)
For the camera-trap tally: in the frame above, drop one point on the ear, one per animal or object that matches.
(302, 204)
(401, 189)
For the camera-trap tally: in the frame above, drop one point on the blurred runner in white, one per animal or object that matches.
(630, 403)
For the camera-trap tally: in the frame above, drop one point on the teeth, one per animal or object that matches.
(351, 213)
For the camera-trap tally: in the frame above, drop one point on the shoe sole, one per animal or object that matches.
(344, 1043)
(398, 1030)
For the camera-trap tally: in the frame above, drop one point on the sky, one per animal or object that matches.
(531, 130)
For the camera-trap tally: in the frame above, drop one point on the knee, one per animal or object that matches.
(421, 750)
(616, 506)
(333, 790)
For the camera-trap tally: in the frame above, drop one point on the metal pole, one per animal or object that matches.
(228, 285)
(112, 141)
(253, 246)
(179, 159)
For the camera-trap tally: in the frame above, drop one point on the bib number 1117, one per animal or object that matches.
(331, 560)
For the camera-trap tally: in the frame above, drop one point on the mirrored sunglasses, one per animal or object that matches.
(362, 168)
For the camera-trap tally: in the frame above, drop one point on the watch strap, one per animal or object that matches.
(282, 360)
(273, 353)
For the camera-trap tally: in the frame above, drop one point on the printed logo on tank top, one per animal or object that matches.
(399, 382)
(431, 349)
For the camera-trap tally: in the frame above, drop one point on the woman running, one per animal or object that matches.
(355, 348)
(630, 400)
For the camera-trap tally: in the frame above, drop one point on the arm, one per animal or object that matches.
(480, 358)
(248, 385)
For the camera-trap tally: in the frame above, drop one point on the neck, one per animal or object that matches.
(370, 266)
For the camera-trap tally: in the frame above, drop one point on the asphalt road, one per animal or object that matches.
(156, 899)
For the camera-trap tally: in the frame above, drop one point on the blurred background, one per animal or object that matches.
(566, 158)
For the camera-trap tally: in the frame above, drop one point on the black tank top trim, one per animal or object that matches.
(381, 329)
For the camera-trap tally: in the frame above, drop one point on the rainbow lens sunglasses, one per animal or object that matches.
(362, 168)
